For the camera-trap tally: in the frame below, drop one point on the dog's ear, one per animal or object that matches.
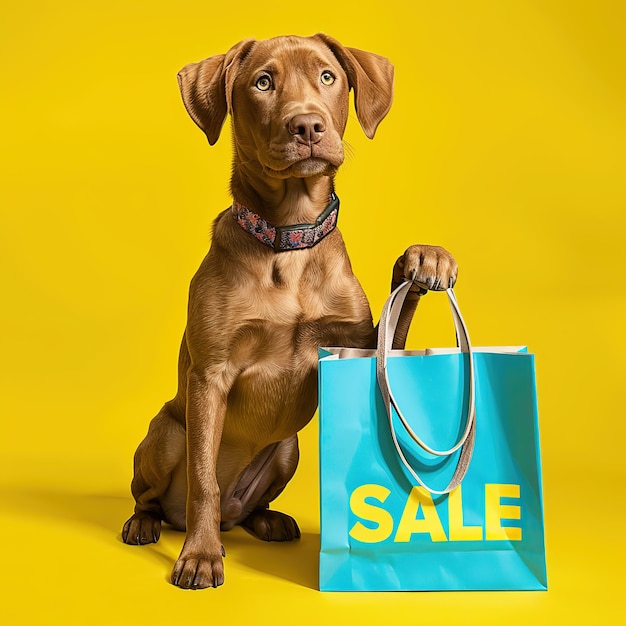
(371, 77)
(206, 88)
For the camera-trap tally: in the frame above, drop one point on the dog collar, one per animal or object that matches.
(283, 238)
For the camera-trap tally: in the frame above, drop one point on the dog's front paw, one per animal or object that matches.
(431, 267)
(198, 571)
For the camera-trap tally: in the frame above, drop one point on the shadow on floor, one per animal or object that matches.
(296, 561)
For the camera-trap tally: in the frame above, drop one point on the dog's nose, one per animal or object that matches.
(307, 128)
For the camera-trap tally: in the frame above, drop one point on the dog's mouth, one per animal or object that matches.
(301, 161)
(305, 168)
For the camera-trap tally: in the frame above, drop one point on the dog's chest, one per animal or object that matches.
(283, 322)
(294, 291)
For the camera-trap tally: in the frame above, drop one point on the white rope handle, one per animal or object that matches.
(386, 331)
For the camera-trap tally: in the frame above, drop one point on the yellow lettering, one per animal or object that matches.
(495, 512)
(372, 513)
(457, 529)
(420, 516)
(430, 523)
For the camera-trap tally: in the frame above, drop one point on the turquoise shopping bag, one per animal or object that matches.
(429, 467)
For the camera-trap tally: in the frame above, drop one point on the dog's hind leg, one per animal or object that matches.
(158, 455)
(260, 483)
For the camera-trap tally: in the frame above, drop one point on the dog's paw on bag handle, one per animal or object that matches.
(432, 268)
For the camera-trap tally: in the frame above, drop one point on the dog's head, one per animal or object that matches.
(288, 98)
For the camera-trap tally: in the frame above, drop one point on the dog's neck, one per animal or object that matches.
(281, 201)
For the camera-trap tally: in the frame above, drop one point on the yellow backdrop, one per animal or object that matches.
(505, 143)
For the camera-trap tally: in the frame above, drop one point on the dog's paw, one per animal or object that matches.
(198, 571)
(431, 267)
(271, 525)
(140, 529)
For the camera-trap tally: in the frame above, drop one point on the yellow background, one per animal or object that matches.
(505, 143)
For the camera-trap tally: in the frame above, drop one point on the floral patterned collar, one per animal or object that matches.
(284, 238)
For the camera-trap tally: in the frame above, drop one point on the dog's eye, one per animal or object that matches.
(264, 83)
(327, 78)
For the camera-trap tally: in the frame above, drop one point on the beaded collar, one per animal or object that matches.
(283, 238)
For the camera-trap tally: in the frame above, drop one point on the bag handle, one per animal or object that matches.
(386, 330)
(388, 323)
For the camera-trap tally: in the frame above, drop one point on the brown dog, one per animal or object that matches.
(264, 298)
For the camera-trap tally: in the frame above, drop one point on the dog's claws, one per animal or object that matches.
(431, 268)
(198, 573)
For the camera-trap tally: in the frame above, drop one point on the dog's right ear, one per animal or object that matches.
(206, 88)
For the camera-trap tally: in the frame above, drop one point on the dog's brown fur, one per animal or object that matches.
(221, 450)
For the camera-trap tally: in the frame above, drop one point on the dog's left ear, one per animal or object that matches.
(206, 88)
(371, 77)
